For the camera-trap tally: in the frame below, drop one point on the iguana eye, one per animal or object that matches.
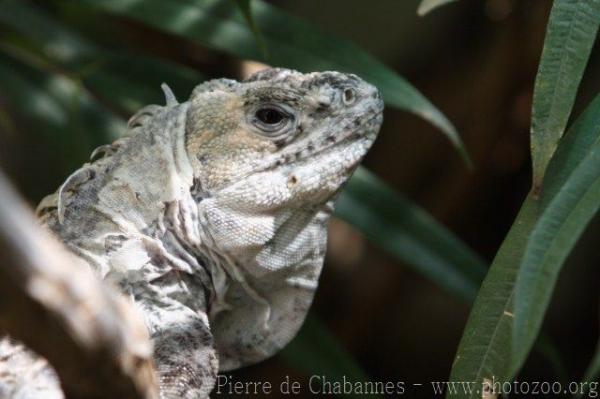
(269, 116)
(272, 120)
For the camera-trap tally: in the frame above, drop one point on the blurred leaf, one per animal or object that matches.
(548, 349)
(292, 43)
(246, 8)
(54, 115)
(132, 81)
(406, 231)
(558, 228)
(592, 373)
(486, 344)
(56, 107)
(570, 35)
(7, 125)
(427, 6)
(55, 42)
(128, 80)
(315, 351)
(40, 109)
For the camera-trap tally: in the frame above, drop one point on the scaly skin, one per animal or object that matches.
(211, 214)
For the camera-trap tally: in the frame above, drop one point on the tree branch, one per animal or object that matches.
(52, 302)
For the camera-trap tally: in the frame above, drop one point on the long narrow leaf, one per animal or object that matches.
(127, 80)
(559, 226)
(591, 374)
(426, 6)
(291, 42)
(246, 8)
(58, 115)
(55, 41)
(132, 81)
(410, 234)
(570, 35)
(487, 341)
(57, 108)
(315, 351)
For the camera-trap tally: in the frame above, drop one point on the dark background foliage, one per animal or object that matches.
(476, 60)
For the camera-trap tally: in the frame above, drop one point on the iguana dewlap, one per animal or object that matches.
(211, 214)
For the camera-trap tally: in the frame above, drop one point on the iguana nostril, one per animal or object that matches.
(349, 96)
(292, 181)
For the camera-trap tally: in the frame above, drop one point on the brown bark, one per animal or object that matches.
(53, 303)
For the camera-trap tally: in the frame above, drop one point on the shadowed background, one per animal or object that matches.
(475, 60)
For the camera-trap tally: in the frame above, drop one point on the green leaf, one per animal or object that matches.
(406, 231)
(559, 226)
(55, 105)
(7, 124)
(127, 80)
(132, 81)
(548, 349)
(315, 351)
(55, 42)
(57, 114)
(37, 106)
(570, 35)
(246, 8)
(292, 43)
(427, 6)
(487, 341)
(592, 373)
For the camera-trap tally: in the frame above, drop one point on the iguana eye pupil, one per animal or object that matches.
(269, 116)
(272, 120)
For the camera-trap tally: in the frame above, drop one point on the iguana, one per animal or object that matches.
(211, 215)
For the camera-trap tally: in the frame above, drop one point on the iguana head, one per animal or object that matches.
(269, 154)
(280, 138)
